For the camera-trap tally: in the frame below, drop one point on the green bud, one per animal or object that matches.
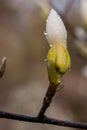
(60, 57)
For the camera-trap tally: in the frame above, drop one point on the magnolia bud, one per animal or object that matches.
(57, 38)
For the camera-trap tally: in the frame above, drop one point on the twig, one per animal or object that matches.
(47, 99)
(44, 120)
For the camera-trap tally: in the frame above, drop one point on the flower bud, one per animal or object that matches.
(57, 36)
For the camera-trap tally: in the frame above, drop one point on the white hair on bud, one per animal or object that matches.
(55, 29)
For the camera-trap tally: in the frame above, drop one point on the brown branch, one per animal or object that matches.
(44, 120)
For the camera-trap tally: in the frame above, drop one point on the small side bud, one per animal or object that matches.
(3, 66)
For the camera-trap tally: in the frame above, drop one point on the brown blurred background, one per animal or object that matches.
(22, 41)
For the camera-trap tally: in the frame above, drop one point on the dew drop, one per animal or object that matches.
(45, 33)
(51, 45)
(47, 20)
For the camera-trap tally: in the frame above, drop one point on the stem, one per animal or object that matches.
(47, 99)
(45, 120)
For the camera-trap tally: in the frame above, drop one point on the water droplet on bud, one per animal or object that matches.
(45, 33)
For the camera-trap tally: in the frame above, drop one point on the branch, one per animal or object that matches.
(45, 120)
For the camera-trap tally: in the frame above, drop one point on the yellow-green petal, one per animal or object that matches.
(62, 60)
(51, 54)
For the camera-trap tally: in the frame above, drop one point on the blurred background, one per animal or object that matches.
(22, 41)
